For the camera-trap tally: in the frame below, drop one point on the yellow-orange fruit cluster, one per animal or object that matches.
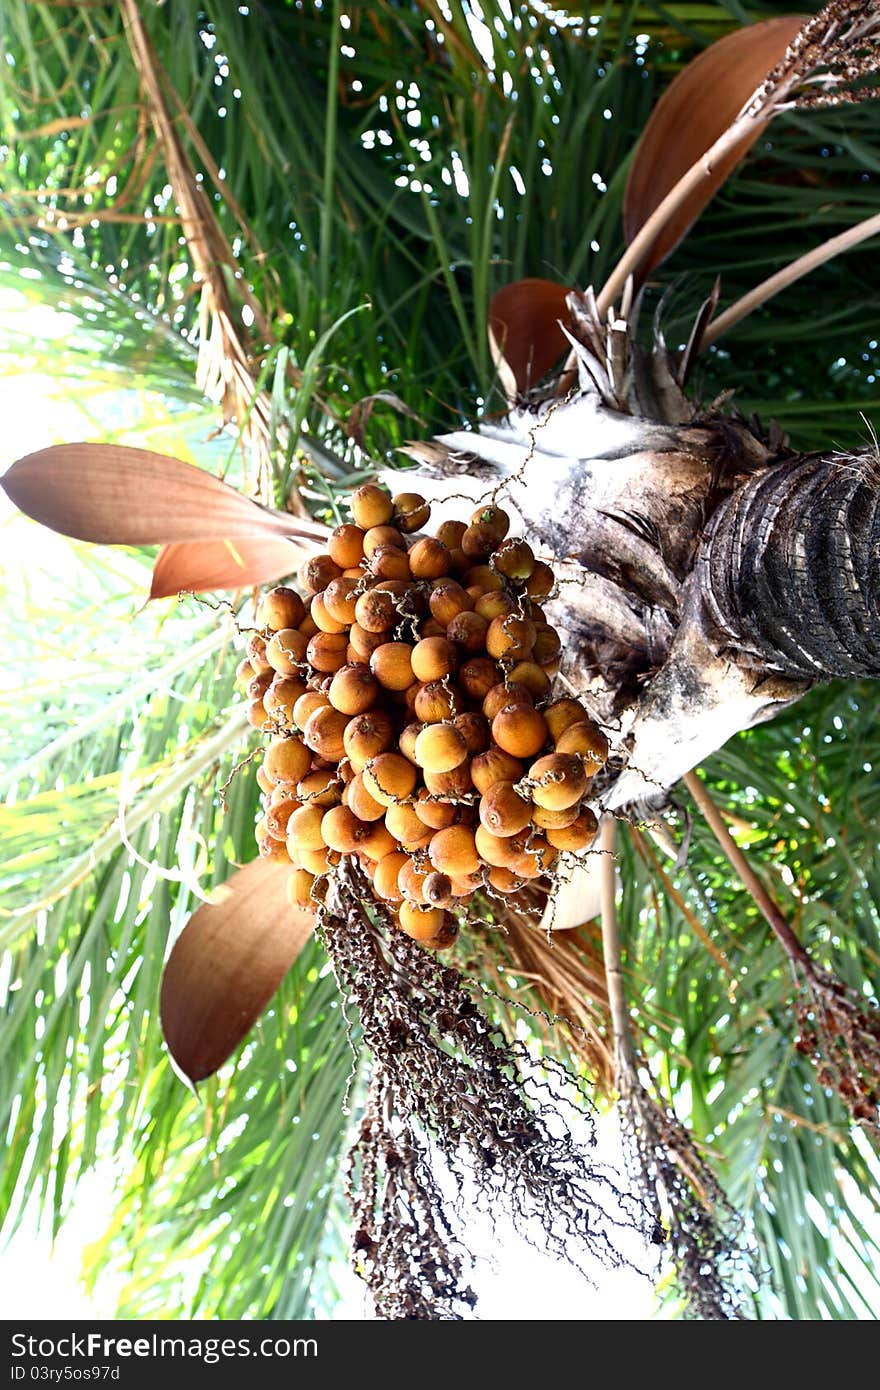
(413, 726)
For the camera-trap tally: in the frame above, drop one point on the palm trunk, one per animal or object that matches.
(708, 575)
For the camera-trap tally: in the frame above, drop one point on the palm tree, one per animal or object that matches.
(393, 165)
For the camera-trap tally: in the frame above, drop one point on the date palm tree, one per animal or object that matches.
(345, 226)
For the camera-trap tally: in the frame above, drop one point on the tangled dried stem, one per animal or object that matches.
(843, 1041)
(444, 1081)
(690, 1210)
(694, 1218)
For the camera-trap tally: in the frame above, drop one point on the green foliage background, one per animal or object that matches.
(401, 157)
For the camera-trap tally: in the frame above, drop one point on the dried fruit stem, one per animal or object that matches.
(765, 904)
(834, 246)
(642, 242)
(662, 1157)
(623, 1044)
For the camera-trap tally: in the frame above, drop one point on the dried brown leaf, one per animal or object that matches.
(119, 496)
(227, 963)
(229, 564)
(525, 336)
(698, 107)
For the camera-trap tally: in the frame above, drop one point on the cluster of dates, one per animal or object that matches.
(412, 727)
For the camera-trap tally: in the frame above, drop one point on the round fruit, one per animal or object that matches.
(259, 684)
(433, 658)
(277, 816)
(280, 607)
(504, 694)
(437, 889)
(447, 599)
(541, 581)
(421, 923)
(440, 748)
(546, 820)
(327, 651)
(353, 689)
(256, 650)
(477, 677)
(379, 841)
(317, 572)
(557, 781)
(503, 811)
(492, 849)
(376, 611)
(304, 830)
(577, 836)
(346, 546)
(436, 701)
(515, 559)
(493, 517)
(411, 882)
(454, 851)
(410, 832)
(561, 714)
(386, 875)
(342, 831)
(391, 664)
(319, 788)
(588, 741)
(387, 562)
(504, 881)
(547, 645)
(495, 766)
(281, 697)
(468, 631)
(286, 761)
(510, 637)
(383, 536)
(299, 889)
(429, 559)
(531, 677)
(493, 605)
(306, 705)
(340, 599)
(324, 731)
(482, 577)
(446, 936)
(451, 786)
(436, 814)
(366, 736)
(474, 729)
(365, 806)
(256, 715)
(411, 511)
(363, 642)
(316, 861)
(389, 777)
(451, 532)
(371, 506)
(520, 730)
